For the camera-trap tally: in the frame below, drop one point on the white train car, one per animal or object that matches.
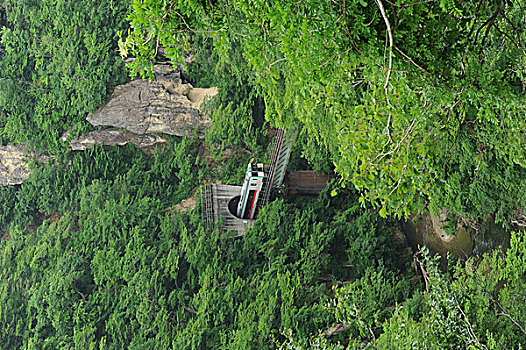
(251, 191)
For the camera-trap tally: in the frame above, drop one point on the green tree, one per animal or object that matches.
(386, 88)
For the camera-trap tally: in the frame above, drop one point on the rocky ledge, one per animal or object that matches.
(137, 112)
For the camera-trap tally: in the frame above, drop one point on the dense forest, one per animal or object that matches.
(415, 106)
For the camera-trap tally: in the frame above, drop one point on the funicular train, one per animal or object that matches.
(251, 191)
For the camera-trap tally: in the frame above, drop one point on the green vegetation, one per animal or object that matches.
(57, 64)
(418, 105)
(104, 260)
(479, 305)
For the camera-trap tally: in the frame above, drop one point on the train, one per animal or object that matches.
(255, 178)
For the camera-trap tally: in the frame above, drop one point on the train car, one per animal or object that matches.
(251, 190)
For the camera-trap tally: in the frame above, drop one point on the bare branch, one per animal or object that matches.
(503, 311)
(403, 171)
(397, 147)
(422, 269)
(336, 329)
(470, 327)
(391, 43)
(512, 26)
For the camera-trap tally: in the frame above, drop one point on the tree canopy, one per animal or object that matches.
(412, 100)
(99, 258)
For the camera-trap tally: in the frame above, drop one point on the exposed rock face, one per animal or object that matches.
(113, 137)
(165, 105)
(14, 164)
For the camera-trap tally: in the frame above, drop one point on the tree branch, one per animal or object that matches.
(412, 61)
(391, 44)
(276, 61)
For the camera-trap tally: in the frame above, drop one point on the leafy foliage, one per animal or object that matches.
(373, 84)
(237, 132)
(416, 103)
(478, 306)
(168, 176)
